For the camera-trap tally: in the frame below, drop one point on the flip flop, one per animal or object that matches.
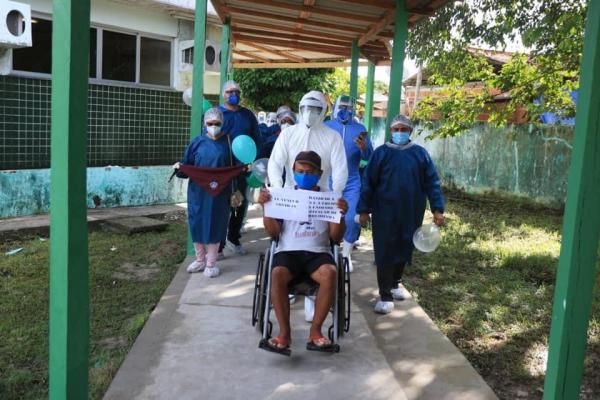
(322, 344)
(276, 345)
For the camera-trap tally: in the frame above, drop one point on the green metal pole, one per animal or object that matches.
(69, 292)
(369, 97)
(581, 230)
(395, 89)
(354, 70)
(198, 81)
(225, 38)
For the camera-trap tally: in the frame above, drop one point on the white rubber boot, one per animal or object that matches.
(346, 251)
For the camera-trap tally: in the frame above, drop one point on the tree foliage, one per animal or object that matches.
(540, 81)
(267, 89)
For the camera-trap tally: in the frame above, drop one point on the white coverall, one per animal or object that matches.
(319, 138)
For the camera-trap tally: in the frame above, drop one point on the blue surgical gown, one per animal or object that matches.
(241, 122)
(208, 216)
(349, 133)
(397, 182)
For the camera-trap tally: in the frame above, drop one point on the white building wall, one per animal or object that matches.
(143, 20)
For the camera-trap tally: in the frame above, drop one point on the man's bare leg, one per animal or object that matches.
(325, 276)
(281, 277)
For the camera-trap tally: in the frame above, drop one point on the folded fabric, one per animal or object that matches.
(212, 180)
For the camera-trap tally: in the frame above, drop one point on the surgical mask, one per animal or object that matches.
(283, 126)
(306, 181)
(234, 100)
(310, 118)
(213, 131)
(344, 115)
(400, 138)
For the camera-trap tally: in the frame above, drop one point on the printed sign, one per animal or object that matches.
(303, 205)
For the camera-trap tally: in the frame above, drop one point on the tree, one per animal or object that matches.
(267, 89)
(540, 81)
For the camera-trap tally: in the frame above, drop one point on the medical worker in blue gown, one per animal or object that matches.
(207, 215)
(398, 180)
(358, 147)
(237, 120)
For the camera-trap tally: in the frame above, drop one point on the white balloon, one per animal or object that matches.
(187, 96)
(427, 238)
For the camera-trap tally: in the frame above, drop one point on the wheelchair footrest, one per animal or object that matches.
(332, 348)
(265, 345)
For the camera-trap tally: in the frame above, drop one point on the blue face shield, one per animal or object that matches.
(344, 115)
(234, 100)
(400, 138)
(306, 181)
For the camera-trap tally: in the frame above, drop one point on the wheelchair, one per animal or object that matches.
(261, 306)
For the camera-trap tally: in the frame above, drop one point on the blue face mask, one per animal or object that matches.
(400, 138)
(234, 100)
(344, 115)
(306, 181)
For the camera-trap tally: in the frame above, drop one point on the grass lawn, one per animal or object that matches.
(128, 274)
(489, 287)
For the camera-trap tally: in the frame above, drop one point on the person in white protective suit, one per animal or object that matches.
(310, 134)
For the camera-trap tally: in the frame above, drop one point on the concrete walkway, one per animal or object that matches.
(39, 224)
(199, 344)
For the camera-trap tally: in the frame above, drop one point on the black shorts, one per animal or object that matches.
(301, 263)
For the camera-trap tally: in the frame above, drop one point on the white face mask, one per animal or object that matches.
(310, 118)
(213, 131)
(283, 126)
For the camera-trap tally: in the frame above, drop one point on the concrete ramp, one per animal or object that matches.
(199, 344)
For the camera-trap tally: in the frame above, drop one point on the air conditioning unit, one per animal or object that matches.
(15, 24)
(212, 55)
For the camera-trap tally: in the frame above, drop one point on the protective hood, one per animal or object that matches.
(316, 99)
(336, 109)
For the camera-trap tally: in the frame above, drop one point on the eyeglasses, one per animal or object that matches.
(213, 124)
(232, 91)
(400, 129)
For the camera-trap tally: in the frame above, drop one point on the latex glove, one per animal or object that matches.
(176, 165)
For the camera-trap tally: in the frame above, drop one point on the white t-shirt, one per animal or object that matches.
(310, 236)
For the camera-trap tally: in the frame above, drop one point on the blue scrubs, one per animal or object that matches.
(268, 135)
(398, 180)
(349, 133)
(207, 215)
(235, 123)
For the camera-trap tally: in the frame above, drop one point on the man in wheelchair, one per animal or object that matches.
(303, 251)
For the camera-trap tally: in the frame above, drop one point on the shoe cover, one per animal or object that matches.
(384, 307)
(196, 266)
(212, 272)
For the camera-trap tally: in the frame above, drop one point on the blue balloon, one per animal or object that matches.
(244, 149)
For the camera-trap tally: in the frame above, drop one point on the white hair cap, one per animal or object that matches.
(231, 85)
(402, 120)
(213, 114)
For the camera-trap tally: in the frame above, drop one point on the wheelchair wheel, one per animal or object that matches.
(343, 296)
(258, 284)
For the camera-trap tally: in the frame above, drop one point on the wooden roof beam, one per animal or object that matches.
(292, 36)
(265, 49)
(238, 23)
(252, 56)
(220, 9)
(314, 10)
(344, 28)
(386, 4)
(340, 51)
(377, 28)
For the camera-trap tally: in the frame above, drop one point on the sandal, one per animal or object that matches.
(321, 343)
(277, 345)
